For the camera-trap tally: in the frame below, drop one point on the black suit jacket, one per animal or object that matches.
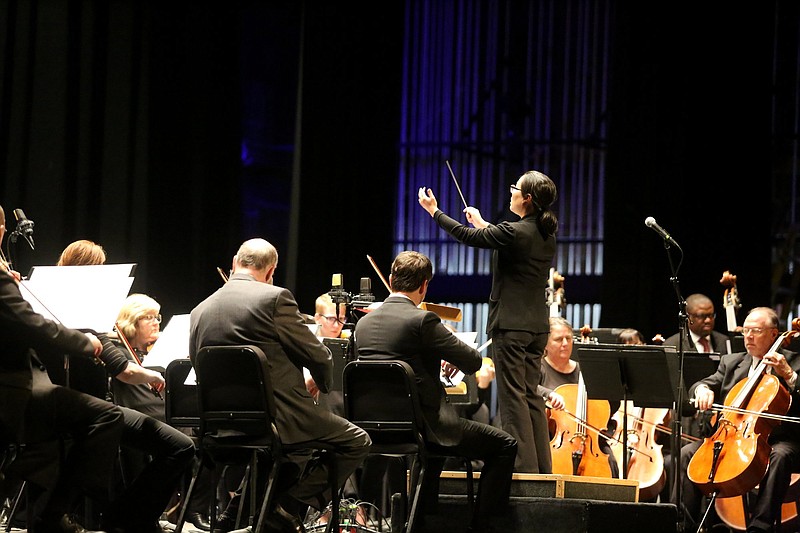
(520, 267)
(399, 330)
(245, 311)
(718, 342)
(733, 368)
(22, 331)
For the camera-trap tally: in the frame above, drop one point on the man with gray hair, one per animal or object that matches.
(249, 309)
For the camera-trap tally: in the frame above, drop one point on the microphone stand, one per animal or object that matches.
(677, 425)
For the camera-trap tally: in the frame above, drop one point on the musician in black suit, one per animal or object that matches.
(760, 330)
(399, 330)
(249, 309)
(518, 315)
(702, 319)
(34, 411)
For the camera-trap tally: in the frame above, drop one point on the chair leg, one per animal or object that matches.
(188, 497)
(415, 500)
(15, 506)
(269, 494)
(470, 486)
(336, 491)
(246, 485)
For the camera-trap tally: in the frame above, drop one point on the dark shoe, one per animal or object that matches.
(282, 521)
(198, 520)
(65, 524)
(225, 523)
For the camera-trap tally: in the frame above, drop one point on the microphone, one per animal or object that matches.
(24, 226)
(650, 222)
(337, 293)
(365, 291)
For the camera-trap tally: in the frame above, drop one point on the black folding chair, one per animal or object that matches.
(237, 423)
(380, 396)
(182, 410)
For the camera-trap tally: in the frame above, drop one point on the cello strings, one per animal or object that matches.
(783, 418)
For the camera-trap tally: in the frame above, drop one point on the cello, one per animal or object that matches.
(733, 460)
(645, 459)
(734, 513)
(575, 448)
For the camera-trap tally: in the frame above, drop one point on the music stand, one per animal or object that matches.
(340, 350)
(696, 366)
(627, 372)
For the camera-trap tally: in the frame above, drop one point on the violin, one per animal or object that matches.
(133, 354)
(556, 301)
(733, 460)
(445, 312)
(574, 447)
(730, 300)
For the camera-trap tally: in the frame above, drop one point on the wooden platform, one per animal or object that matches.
(552, 486)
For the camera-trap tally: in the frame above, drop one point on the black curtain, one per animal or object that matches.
(690, 146)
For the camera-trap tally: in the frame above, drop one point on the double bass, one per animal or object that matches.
(730, 300)
(733, 460)
(554, 294)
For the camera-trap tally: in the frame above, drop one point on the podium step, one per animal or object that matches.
(551, 486)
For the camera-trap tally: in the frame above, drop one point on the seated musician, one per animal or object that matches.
(630, 336)
(400, 330)
(250, 309)
(165, 453)
(558, 368)
(702, 337)
(35, 411)
(760, 330)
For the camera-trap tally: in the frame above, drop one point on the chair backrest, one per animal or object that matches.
(181, 405)
(234, 391)
(380, 396)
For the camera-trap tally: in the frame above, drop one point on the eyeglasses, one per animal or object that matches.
(333, 319)
(704, 316)
(153, 318)
(755, 331)
(513, 188)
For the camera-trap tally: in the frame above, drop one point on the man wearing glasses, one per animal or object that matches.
(702, 317)
(760, 331)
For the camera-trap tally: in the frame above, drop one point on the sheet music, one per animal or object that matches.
(79, 297)
(172, 343)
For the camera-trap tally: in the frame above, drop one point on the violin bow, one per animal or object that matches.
(444, 311)
(222, 275)
(131, 351)
(378, 272)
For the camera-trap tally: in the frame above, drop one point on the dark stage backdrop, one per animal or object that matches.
(169, 132)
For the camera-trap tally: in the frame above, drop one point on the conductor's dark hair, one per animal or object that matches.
(543, 193)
